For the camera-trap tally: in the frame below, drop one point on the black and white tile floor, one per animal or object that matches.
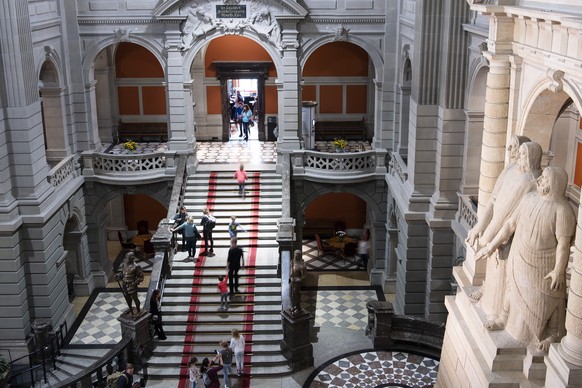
(373, 369)
(327, 262)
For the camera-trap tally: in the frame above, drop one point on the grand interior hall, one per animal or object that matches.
(408, 215)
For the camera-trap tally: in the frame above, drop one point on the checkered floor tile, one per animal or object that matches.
(341, 308)
(237, 151)
(377, 369)
(327, 262)
(100, 325)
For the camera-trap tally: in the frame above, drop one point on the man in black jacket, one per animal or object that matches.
(234, 263)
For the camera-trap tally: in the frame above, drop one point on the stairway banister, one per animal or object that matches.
(122, 350)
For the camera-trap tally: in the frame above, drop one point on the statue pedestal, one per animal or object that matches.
(560, 372)
(296, 345)
(475, 356)
(138, 327)
(379, 327)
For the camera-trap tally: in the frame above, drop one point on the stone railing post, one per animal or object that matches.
(379, 327)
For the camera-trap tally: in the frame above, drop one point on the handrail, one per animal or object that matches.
(64, 170)
(94, 376)
(54, 350)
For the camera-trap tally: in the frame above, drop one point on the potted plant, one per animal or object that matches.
(340, 144)
(130, 145)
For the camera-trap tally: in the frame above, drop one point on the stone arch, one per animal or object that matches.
(53, 108)
(72, 244)
(104, 114)
(377, 60)
(91, 53)
(201, 43)
(550, 117)
(404, 113)
(475, 116)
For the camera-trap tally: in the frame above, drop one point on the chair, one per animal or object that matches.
(350, 250)
(124, 244)
(339, 226)
(323, 248)
(148, 248)
(143, 227)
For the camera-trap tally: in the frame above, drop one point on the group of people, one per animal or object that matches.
(184, 224)
(242, 115)
(208, 371)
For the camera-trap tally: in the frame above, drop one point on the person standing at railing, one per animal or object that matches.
(192, 235)
(179, 219)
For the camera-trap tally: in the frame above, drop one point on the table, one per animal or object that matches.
(340, 243)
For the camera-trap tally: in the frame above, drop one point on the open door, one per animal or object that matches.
(242, 70)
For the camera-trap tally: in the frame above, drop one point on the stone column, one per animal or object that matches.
(288, 84)
(180, 113)
(564, 361)
(493, 146)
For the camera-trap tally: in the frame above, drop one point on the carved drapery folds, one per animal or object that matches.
(201, 21)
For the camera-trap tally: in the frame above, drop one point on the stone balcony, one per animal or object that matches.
(342, 167)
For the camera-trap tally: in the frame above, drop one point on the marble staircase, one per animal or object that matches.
(193, 322)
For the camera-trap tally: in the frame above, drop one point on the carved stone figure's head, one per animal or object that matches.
(514, 144)
(129, 257)
(553, 182)
(530, 157)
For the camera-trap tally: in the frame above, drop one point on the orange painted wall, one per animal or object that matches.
(337, 59)
(309, 93)
(142, 207)
(214, 105)
(330, 99)
(235, 48)
(357, 99)
(135, 61)
(271, 100)
(128, 97)
(578, 171)
(153, 100)
(338, 207)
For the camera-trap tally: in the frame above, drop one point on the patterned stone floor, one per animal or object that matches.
(375, 369)
(328, 262)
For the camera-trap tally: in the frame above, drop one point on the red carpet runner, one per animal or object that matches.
(250, 261)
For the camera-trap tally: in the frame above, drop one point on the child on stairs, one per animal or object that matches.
(223, 289)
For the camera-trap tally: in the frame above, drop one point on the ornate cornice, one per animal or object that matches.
(345, 20)
(124, 21)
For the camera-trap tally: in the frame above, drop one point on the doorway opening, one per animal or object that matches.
(249, 78)
(242, 92)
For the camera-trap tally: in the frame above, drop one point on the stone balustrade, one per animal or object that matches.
(333, 166)
(62, 172)
(398, 167)
(131, 165)
(467, 213)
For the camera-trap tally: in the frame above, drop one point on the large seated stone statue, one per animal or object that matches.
(542, 227)
(516, 180)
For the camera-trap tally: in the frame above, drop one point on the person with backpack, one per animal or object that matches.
(192, 235)
(210, 373)
(208, 223)
(227, 354)
(122, 379)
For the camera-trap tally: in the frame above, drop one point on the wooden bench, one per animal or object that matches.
(142, 132)
(349, 130)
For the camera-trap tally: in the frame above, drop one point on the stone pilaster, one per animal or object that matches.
(565, 360)
(179, 97)
(288, 85)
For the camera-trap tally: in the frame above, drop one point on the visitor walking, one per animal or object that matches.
(237, 344)
(234, 262)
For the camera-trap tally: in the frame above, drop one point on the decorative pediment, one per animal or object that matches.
(284, 8)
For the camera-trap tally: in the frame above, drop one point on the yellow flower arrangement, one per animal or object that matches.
(340, 143)
(130, 145)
